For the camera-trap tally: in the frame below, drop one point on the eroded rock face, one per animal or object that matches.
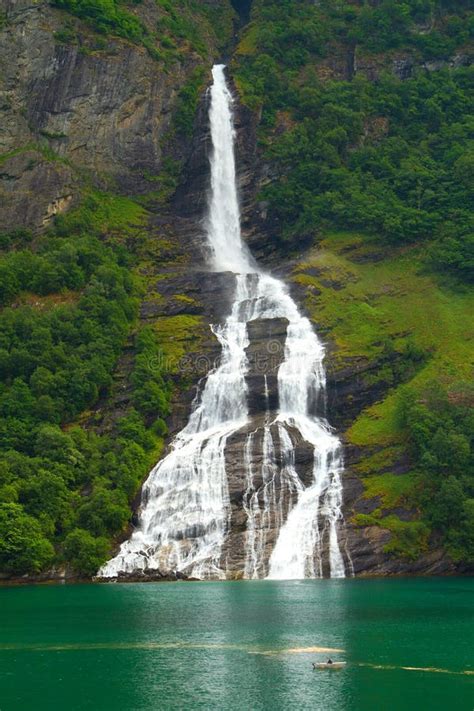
(246, 469)
(98, 109)
(108, 112)
(33, 191)
(265, 354)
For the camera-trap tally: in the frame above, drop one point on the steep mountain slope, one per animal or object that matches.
(92, 99)
(355, 171)
(365, 125)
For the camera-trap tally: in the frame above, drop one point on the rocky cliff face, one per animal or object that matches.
(79, 107)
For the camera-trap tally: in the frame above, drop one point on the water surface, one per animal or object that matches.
(243, 645)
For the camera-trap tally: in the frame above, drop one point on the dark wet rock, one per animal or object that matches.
(366, 506)
(369, 558)
(265, 353)
(151, 575)
(262, 471)
(355, 383)
(350, 389)
(190, 199)
(403, 513)
(353, 488)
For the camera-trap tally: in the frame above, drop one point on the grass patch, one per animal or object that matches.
(365, 302)
(393, 489)
(248, 44)
(382, 460)
(43, 149)
(17, 152)
(185, 299)
(114, 216)
(178, 337)
(378, 425)
(409, 539)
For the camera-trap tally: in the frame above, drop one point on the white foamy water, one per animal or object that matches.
(185, 513)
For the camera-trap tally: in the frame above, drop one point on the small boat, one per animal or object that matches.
(329, 665)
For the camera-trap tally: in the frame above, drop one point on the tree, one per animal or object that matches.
(446, 506)
(84, 552)
(23, 547)
(105, 511)
(47, 493)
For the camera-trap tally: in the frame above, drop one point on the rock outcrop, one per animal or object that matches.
(79, 108)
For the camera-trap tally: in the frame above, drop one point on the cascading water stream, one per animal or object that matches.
(185, 514)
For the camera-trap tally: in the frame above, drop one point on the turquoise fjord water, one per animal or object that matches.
(242, 645)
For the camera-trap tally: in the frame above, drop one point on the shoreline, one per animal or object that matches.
(22, 582)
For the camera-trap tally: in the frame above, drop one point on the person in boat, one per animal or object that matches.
(315, 666)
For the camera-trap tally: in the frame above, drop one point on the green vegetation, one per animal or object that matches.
(416, 334)
(188, 101)
(151, 391)
(85, 552)
(37, 151)
(177, 334)
(70, 304)
(393, 489)
(23, 546)
(440, 427)
(176, 23)
(409, 539)
(179, 26)
(106, 17)
(367, 124)
(437, 423)
(391, 157)
(385, 306)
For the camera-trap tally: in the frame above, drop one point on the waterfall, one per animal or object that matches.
(185, 515)
(228, 252)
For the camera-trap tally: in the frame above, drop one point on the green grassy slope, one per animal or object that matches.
(386, 309)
